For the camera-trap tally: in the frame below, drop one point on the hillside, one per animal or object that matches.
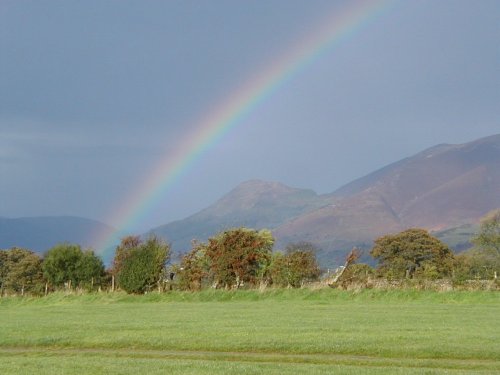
(255, 204)
(41, 233)
(446, 189)
(443, 187)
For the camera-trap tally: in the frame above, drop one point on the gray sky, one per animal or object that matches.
(94, 93)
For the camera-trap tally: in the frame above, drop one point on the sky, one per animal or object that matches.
(94, 95)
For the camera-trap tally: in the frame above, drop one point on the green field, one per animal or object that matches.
(249, 332)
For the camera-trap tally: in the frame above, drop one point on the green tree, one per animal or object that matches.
(413, 252)
(485, 256)
(90, 270)
(67, 264)
(21, 271)
(122, 251)
(239, 256)
(472, 265)
(144, 267)
(3, 270)
(297, 266)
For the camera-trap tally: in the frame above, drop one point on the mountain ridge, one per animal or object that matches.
(440, 188)
(253, 203)
(446, 189)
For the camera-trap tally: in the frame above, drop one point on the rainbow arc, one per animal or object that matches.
(340, 26)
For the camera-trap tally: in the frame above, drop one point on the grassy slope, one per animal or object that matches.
(277, 332)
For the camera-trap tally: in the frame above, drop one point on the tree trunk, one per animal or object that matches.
(353, 255)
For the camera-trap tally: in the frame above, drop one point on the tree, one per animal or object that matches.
(296, 266)
(144, 266)
(412, 253)
(484, 258)
(194, 269)
(488, 238)
(122, 251)
(3, 270)
(67, 264)
(350, 260)
(59, 264)
(239, 256)
(357, 274)
(21, 271)
(90, 270)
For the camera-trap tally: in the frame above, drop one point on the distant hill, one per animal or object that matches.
(255, 204)
(446, 186)
(445, 189)
(458, 238)
(41, 233)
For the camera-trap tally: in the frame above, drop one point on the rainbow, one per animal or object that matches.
(341, 25)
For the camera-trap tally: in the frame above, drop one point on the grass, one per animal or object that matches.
(249, 332)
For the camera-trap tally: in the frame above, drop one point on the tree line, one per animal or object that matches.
(243, 257)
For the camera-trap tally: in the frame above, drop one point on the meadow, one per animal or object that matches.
(282, 331)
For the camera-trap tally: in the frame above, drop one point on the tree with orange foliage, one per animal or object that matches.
(239, 256)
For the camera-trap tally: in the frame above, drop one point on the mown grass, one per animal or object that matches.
(251, 332)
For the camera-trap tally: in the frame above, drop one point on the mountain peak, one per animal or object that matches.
(444, 186)
(441, 187)
(254, 192)
(255, 203)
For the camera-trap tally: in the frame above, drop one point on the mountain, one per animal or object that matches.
(443, 187)
(254, 204)
(41, 233)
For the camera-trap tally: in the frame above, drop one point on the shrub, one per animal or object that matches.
(144, 267)
(297, 266)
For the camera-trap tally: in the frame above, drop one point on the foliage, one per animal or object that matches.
(485, 256)
(20, 271)
(59, 264)
(193, 272)
(474, 265)
(144, 266)
(239, 256)
(357, 274)
(122, 251)
(90, 270)
(3, 270)
(488, 238)
(66, 264)
(351, 258)
(412, 253)
(296, 266)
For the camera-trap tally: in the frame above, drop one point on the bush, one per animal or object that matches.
(21, 272)
(296, 267)
(193, 272)
(144, 267)
(66, 264)
(357, 274)
(239, 256)
(412, 253)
